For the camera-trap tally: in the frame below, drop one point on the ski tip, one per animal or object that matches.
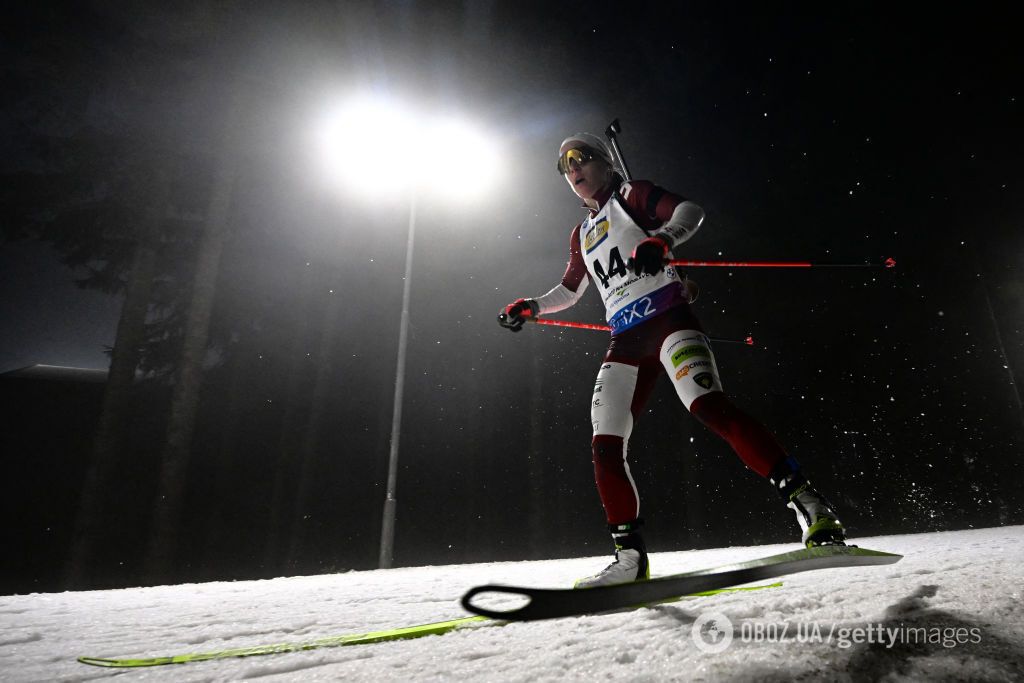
(524, 594)
(129, 663)
(868, 551)
(98, 661)
(862, 556)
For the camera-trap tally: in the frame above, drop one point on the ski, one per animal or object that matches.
(406, 633)
(435, 628)
(547, 603)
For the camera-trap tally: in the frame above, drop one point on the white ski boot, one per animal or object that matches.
(630, 563)
(817, 518)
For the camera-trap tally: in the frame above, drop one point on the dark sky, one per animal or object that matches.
(850, 132)
(854, 132)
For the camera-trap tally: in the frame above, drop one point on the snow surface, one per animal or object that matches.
(967, 580)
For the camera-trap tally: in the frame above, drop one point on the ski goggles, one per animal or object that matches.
(578, 156)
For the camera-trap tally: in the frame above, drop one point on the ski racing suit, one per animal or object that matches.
(654, 331)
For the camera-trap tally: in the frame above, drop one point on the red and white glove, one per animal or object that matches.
(515, 314)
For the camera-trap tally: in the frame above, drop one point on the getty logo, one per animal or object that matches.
(712, 632)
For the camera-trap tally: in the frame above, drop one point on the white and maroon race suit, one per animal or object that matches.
(654, 331)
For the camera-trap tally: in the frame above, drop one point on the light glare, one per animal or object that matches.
(463, 161)
(374, 147)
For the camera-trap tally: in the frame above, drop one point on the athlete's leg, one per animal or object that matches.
(687, 357)
(751, 440)
(690, 364)
(620, 392)
(621, 389)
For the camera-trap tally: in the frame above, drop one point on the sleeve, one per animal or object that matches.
(574, 282)
(683, 224)
(671, 217)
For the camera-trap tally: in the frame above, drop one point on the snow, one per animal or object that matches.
(958, 585)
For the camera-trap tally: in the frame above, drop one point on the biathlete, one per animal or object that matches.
(622, 247)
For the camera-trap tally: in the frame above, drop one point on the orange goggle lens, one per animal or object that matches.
(574, 156)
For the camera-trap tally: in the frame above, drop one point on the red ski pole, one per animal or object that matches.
(567, 323)
(887, 263)
(749, 341)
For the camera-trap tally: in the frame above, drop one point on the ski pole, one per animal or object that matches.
(568, 323)
(887, 263)
(614, 129)
(749, 341)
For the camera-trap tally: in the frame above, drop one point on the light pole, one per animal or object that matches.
(387, 531)
(373, 146)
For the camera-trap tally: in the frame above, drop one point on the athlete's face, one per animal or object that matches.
(588, 178)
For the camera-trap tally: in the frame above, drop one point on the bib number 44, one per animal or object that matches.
(616, 267)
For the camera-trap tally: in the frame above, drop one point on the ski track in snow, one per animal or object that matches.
(958, 579)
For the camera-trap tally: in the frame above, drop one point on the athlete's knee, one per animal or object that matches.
(717, 412)
(710, 405)
(607, 448)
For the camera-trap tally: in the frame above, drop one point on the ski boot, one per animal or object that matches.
(816, 516)
(630, 559)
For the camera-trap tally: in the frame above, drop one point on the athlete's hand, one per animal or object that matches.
(515, 314)
(649, 256)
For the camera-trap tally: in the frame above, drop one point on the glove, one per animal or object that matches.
(516, 313)
(649, 256)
